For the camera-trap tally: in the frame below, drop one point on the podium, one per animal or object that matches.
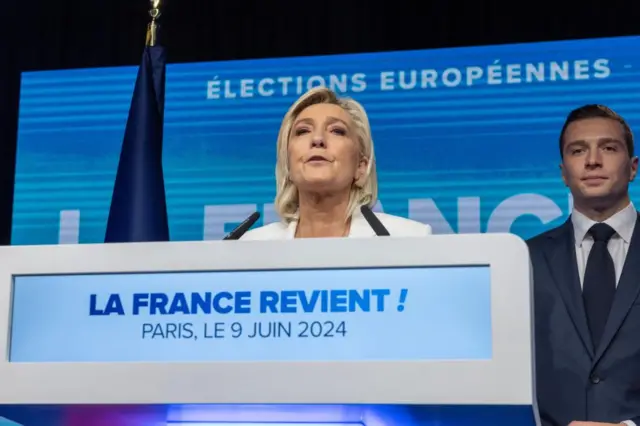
(375, 332)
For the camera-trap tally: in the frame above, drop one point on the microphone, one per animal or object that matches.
(373, 221)
(243, 227)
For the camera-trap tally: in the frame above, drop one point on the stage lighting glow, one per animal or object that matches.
(265, 424)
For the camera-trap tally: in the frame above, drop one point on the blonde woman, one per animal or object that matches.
(325, 172)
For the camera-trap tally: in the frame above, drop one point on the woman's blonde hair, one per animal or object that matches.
(365, 191)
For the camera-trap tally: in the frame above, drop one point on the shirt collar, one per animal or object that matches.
(622, 222)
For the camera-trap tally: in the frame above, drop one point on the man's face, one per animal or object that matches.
(596, 166)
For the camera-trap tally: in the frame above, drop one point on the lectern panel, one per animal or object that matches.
(441, 321)
(355, 314)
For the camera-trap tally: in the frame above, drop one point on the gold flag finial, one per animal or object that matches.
(152, 28)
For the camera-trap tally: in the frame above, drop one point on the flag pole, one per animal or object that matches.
(152, 28)
(138, 211)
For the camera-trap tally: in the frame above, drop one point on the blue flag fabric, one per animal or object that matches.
(138, 210)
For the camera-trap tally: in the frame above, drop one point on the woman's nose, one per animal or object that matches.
(318, 142)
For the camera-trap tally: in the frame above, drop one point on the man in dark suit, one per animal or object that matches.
(587, 280)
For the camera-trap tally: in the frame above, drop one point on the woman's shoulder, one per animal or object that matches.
(402, 227)
(272, 231)
(396, 225)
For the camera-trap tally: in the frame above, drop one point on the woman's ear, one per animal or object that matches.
(361, 171)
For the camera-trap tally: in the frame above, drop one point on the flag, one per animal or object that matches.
(138, 211)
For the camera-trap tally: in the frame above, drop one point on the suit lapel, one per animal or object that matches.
(626, 293)
(561, 257)
(359, 226)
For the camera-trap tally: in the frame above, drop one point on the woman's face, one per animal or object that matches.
(324, 152)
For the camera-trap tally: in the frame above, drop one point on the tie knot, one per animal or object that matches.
(601, 232)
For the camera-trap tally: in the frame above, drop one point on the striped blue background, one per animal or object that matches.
(460, 147)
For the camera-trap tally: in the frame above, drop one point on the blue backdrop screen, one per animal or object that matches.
(466, 139)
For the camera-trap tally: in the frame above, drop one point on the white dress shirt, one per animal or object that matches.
(623, 223)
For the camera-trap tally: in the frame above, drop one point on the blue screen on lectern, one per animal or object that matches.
(388, 314)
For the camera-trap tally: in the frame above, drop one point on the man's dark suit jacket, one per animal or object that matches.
(574, 381)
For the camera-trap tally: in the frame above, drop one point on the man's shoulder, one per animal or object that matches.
(538, 242)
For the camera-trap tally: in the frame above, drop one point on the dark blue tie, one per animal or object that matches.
(599, 285)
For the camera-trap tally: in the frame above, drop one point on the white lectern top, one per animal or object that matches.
(437, 320)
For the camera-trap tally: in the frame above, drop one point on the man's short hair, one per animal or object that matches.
(597, 111)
